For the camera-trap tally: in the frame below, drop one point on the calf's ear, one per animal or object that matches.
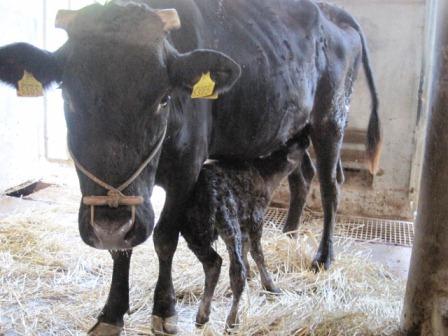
(185, 70)
(17, 58)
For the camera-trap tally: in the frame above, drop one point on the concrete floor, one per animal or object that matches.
(396, 258)
(65, 190)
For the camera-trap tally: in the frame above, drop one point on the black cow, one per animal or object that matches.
(127, 81)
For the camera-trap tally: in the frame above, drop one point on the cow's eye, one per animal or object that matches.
(164, 102)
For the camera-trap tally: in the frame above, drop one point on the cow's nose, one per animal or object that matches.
(111, 236)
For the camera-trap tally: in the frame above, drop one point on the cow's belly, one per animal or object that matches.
(259, 115)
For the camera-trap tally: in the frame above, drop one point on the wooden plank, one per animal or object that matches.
(356, 136)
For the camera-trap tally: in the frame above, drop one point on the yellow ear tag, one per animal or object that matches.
(29, 86)
(204, 88)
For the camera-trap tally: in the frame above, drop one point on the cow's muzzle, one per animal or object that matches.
(113, 236)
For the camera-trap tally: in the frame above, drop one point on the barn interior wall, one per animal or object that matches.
(395, 31)
(21, 131)
(32, 129)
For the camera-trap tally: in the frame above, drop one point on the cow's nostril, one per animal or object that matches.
(110, 235)
(126, 227)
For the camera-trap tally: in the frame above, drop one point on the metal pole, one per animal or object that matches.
(425, 309)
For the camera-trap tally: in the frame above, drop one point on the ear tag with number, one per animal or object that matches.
(29, 86)
(204, 88)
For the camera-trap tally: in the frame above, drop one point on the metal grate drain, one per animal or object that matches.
(275, 216)
(373, 230)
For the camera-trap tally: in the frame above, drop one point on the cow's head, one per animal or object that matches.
(117, 71)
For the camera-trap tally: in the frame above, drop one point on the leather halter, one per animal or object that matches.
(115, 196)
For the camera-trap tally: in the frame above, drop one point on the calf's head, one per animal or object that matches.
(275, 167)
(117, 72)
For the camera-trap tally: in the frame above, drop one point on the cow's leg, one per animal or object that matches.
(327, 141)
(211, 262)
(166, 236)
(299, 186)
(257, 254)
(177, 177)
(340, 177)
(110, 320)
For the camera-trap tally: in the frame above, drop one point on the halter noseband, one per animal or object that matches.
(115, 196)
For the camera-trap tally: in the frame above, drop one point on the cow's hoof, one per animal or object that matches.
(291, 231)
(164, 326)
(104, 329)
(292, 234)
(321, 263)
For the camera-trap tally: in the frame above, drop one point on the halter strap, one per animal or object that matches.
(115, 196)
(128, 181)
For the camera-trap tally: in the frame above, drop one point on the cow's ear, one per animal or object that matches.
(186, 70)
(17, 58)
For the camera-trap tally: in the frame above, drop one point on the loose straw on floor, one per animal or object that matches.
(53, 284)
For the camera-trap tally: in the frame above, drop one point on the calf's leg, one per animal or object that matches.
(257, 254)
(237, 282)
(246, 248)
(211, 262)
(229, 230)
(110, 320)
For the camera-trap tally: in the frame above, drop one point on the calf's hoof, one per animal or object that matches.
(201, 320)
(202, 317)
(273, 290)
(232, 322)
(104, 329)
(164, 326)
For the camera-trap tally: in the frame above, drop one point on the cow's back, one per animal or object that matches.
(275, 44)
(279, 45)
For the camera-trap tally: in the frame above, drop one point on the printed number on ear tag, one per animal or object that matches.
(29, 86)
(204, 88)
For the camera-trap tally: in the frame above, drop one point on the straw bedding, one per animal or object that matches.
(53, 284)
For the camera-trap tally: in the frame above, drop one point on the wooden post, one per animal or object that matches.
(425, 309)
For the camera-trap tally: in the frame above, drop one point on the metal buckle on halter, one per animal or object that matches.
(114, 199)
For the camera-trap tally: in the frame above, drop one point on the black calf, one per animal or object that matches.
(229, 200)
